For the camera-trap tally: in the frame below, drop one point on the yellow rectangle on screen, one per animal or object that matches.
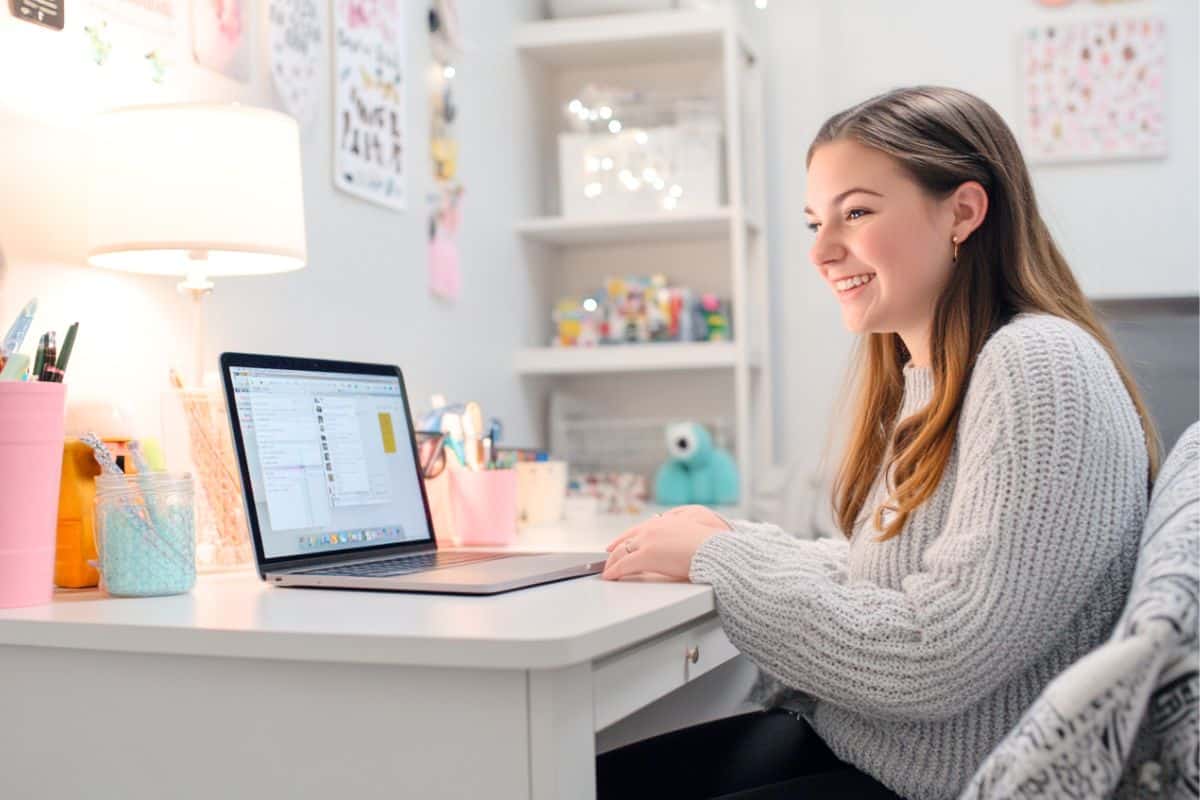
(389, 435)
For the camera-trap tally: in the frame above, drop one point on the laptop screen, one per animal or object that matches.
(330, 460)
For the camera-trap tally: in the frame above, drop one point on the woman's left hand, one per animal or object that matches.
(663, 545)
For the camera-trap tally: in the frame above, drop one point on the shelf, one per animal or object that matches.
(626, 358)
(665, 227)
(624, 38)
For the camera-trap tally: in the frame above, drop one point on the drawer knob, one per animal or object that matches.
(693, 654)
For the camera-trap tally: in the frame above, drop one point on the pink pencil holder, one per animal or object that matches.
(32, 416)
(484, 506)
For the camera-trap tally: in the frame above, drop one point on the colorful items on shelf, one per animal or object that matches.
(614, 492)
(640, 310)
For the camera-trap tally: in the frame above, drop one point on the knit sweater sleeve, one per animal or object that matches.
(1040, 467)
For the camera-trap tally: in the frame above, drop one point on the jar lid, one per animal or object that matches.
(142, 482)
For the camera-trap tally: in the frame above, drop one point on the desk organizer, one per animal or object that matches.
(75, 552)
(484, 506)
(541, 491)
(145, 533)
(32, 420)
(223, 538)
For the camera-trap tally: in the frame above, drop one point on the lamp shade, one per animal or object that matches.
(187, 189)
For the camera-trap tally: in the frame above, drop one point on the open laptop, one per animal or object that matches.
(333, 491)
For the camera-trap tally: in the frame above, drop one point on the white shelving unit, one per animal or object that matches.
(721, 250)
(626, 358)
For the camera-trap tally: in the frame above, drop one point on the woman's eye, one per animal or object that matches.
(852, 214)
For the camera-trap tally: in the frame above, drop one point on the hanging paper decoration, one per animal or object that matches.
(222, 33)
(1094, 89)
(445, 279)
(296, 47)
(368, 89)
(445, 211)
(99, 44)
(133, 38)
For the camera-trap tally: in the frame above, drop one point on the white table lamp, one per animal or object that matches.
(198, 191)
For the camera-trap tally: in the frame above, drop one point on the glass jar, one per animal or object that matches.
(145, 533)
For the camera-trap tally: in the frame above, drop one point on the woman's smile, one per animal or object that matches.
(849, 288)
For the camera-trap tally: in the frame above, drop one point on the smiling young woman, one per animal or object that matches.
(991, 494)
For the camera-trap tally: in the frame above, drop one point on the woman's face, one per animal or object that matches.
(882, 244)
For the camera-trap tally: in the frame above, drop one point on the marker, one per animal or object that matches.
(47, 371)
(65, 355)
(40, 358)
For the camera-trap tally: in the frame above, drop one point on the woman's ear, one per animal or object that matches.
(969, 204)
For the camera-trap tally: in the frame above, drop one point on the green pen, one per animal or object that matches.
(40, 358)
(65, 355)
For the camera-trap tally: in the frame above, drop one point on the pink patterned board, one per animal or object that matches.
(1094, 89)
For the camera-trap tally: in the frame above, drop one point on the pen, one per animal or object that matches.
(65, 355)
(40, 358)
(47, 371)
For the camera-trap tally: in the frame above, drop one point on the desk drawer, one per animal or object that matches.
(634, 678)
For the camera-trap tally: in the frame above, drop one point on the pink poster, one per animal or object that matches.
(1094, 90)
(222, 32)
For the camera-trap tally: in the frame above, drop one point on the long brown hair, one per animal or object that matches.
(942, 138)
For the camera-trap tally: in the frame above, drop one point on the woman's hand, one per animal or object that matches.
(664, 544)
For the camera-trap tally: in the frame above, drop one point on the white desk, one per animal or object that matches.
(239, 689)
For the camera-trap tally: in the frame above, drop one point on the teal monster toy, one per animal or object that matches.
(697, 472)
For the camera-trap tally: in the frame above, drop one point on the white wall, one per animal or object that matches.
(1128, 228)
(364, 294)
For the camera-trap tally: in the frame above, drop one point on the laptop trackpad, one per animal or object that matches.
(508, 569)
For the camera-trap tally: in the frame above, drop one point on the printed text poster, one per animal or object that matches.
(295, 42)
(368, 84)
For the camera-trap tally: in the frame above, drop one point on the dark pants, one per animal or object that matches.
(764, 754)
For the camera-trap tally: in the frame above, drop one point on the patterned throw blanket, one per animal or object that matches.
(1123, 721)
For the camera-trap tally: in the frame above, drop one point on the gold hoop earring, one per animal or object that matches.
(954, 241)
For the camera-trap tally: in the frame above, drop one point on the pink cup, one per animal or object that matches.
(485, 506)
(32, 416)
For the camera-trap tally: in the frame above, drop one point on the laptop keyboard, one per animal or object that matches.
(403, 565)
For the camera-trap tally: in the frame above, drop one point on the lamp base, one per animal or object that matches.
(199, 287)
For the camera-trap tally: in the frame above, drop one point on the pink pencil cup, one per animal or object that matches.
(485, 506)
(32, 417)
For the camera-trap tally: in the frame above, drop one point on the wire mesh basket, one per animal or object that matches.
(589, 442)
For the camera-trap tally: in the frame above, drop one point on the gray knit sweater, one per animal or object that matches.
(912, 658)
